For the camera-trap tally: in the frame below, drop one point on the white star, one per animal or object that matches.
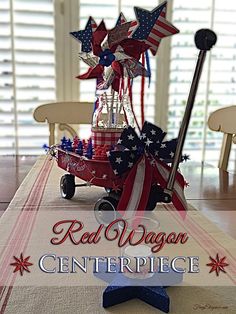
(119, 141)
(172, 154)
(108, 154)
(148, 142)
(134, 147)
(156, 153)
(115, 171)
(104, 176)
(163, 145)
(93, 171)
(143, 136)
(130, 165)
(132, 156)
(153, 132)
(130, 137)
(118, 160)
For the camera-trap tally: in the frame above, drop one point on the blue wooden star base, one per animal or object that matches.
(150, 290)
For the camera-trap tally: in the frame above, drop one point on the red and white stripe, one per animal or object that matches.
(93, 25)
(162, 28)
(136, 188)
(122, 18)
(133, 26)
(162, 172)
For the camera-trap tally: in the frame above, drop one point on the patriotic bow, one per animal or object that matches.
(144, 158)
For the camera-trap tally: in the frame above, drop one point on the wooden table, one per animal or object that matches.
(211, 190)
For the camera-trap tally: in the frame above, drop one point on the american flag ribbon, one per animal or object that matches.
(136, 187)
(144, 159)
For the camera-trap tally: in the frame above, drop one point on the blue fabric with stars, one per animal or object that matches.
(146, 21)
(132, 147)
(85, 36)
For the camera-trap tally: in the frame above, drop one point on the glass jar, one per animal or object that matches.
(113, 112)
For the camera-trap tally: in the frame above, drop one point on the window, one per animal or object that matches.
(217, 88)
(39, 62)
(27, 72)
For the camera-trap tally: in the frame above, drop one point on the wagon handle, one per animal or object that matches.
(205, 39)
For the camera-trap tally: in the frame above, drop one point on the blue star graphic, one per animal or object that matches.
(151, 290)
(146, 20)
(85, 36)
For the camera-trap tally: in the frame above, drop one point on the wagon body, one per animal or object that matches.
(96, 172)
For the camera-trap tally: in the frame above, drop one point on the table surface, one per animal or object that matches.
(211, 190)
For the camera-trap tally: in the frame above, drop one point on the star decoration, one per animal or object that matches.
(118, 160)
(148, 142)
(104, 176)
(143, 136)
(119, 141)
(172, 154)
(217, 264)
(85, 36)
(153, 132)
(163, 145)
(146, 21)
(185, 157)
(152, 290)
(130, 165)
(21, 264)
(153, 26)
(130, 137)
(121, 19)
(116, 188)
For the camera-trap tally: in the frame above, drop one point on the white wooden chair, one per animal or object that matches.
(64, 114)
(224, 120)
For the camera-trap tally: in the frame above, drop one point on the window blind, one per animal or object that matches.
(27, 72)
(217, 88)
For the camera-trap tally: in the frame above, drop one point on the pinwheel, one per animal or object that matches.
(145, 158)
(114, 56)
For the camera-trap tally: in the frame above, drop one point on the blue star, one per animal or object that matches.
(85, 36)
(146, 20)
(151, 290)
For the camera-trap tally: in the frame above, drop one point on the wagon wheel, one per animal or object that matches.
(105, 210)
(67, 186)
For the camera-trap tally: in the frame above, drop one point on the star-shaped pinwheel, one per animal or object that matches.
(21, 264)
(85, 36)
(153, 26)
(218, 264)
(146, 20)
(121, 19)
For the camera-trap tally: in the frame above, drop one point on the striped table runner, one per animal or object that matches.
(39, 191)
